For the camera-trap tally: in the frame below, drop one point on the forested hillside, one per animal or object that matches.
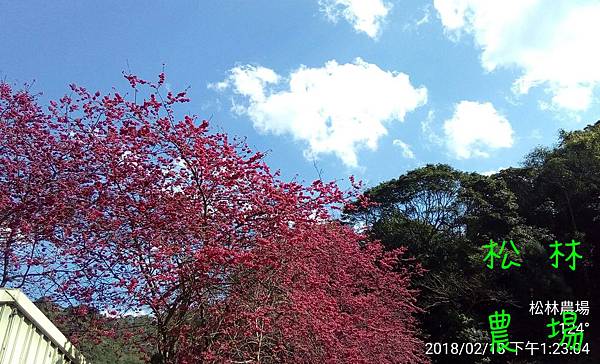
(445, 217)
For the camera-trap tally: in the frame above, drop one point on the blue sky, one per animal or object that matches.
(372, 87)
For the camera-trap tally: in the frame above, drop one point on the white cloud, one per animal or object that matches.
(425, 18)
(406, 151)
(365, 15)
(337, 108)
(552, 42)
(493, 171)
(536, 134)
(428, 131)
(249, 80)
(475, 129)
(415, 23)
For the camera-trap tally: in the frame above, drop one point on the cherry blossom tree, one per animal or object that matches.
(39, 184)
(119, 203)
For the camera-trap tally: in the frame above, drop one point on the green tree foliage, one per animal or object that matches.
(444, 217)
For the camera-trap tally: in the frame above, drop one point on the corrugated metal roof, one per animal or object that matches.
(28, 337)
